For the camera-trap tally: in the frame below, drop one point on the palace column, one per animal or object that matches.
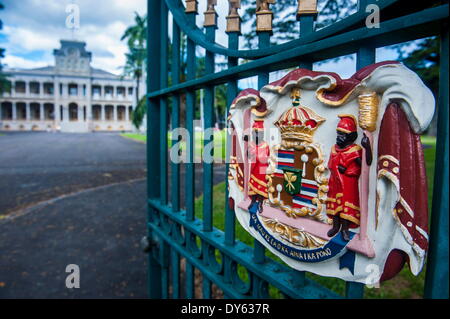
(13, 89)
(14, 111)
(67, 112)
(41, 112)
(127, 118)
(89, 103)
(80, 87)
(56, 103)
(66, 117)
(115, 113)
(27, 111)
(63, 90)
(103, 112)
(27, 88)
(80, 113)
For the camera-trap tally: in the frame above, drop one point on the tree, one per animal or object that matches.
(139, 112)
(134, 67)
(5, 84)
(284, 18)
(424, 60)
(135, 61)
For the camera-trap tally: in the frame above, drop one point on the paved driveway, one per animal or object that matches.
(73, 199)
(37, 166)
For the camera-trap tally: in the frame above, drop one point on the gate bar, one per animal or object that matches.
(208, 167)
(164, 75)
(175, 167)
(190, 148)
(230, 219)
(260, 287)
(163, 103)
(306, 24)
(436, 280)
(153, 117)
(232, 92)
(208, 138)
(175, 71)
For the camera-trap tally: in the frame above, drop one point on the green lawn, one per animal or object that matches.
(135, 136)
(404, 285)
(220, 138)
(428, 140)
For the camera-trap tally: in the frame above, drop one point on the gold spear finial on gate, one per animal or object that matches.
(191, 6)
(264, 15)
(233, 18)
(210, 14)
(306, 7)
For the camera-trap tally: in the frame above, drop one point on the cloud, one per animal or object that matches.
(32, 26)
(13, 61)
(38, 25)
(22, 40)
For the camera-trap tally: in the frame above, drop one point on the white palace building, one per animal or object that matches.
(71, 96)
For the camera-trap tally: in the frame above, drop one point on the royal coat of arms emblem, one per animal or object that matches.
(328, 173)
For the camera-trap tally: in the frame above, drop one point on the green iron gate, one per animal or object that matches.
(174, 232)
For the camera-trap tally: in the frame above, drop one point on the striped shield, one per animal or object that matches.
(301, 187)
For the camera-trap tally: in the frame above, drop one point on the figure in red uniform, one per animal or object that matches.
(259, 152)
(345, 168)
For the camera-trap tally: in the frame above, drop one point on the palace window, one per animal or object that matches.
(96, 112)
(120, 91)
(21, 111)
(109, 112)
(96, 90)
(34, 87)
(73, 89)
(6, 110)
(109, 90)
(49, 111)
(73, 112)
(121, 113)
(48, 88)
(35, 111)
(20, 87)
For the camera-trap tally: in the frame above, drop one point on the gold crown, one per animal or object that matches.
(299, 123)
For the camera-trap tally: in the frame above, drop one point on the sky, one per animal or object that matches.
(33, 28)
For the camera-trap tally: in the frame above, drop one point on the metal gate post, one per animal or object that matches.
(436, 281)
(153, 132)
